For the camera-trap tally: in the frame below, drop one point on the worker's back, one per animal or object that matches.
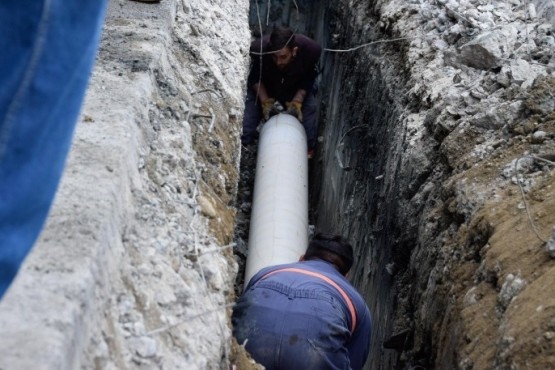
(299, 318)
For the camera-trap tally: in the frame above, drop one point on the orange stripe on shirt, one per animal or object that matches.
(347, 299)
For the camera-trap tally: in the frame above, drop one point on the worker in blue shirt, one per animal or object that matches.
(306, 315)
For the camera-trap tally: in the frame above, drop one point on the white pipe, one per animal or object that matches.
(279, 218)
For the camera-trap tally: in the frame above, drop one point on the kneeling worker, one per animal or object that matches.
(306, 315)
(283, 70)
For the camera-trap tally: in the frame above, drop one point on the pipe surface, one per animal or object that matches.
(279, 219)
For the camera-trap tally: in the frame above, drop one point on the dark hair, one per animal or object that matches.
(282, 37)
(332, 248)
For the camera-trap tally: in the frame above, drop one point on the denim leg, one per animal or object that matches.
(309, 120)
(44, 70)
(251, 118)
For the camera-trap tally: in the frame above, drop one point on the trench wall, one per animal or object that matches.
(134, 268)
(360, 181)
(361, 175)
(365, 170)
(406, 182)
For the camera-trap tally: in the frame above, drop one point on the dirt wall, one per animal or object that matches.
(418, 166)
(134, 269)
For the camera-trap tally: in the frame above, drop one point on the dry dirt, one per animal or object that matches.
(241, 359)
(499, 246)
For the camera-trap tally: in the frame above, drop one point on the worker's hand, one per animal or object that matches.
(294, 108)
(268, 108)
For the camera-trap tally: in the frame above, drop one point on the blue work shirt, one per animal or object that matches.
(294, 321)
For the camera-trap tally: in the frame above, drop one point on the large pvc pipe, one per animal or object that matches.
(279, 218)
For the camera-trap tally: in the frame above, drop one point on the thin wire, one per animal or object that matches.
(531, 62)
(379, 41)
(203, 276)
(199, 261)
(372, 43)
(262, 40)
(269, 6)
(260, 29)
(275, 51)
(337, 156)
(543, 160)
(382, 41)
(189, 318)
(524, 196)
(261, 45)
(526, 30)
(459, 14)
(213, 250)
(298, 14)
(219, 94)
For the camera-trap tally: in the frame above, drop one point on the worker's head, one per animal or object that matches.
(331, 248)
(283, 46)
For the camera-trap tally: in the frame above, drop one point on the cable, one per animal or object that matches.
(524, 196)
(372, 43)
(189, 318)
(526, 29)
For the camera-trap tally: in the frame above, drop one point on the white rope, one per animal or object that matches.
(524, 196)
(372, 43)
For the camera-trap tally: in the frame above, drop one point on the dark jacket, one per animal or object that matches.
(297, 321)
(283, 84)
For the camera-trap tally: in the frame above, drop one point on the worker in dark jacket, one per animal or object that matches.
(306, 315)
(286, 75)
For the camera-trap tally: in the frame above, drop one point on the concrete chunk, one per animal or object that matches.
(485, 51)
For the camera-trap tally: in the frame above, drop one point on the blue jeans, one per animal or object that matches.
(253, 115)
(47, 50)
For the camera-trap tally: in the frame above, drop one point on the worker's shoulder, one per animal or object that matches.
(310, 49)
(300, 38)
(351, 290)
(260, 44)
(305, 41)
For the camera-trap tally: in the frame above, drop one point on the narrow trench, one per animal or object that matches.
(353, 178)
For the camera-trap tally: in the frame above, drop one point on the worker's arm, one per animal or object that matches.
(266, 103)
(294, 107)
(254, 80)
(300, 95)
(311, 52)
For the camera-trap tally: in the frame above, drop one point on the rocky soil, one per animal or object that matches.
(135, 268)
(448, 145)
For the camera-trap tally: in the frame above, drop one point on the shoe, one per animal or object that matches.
(310, 153)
